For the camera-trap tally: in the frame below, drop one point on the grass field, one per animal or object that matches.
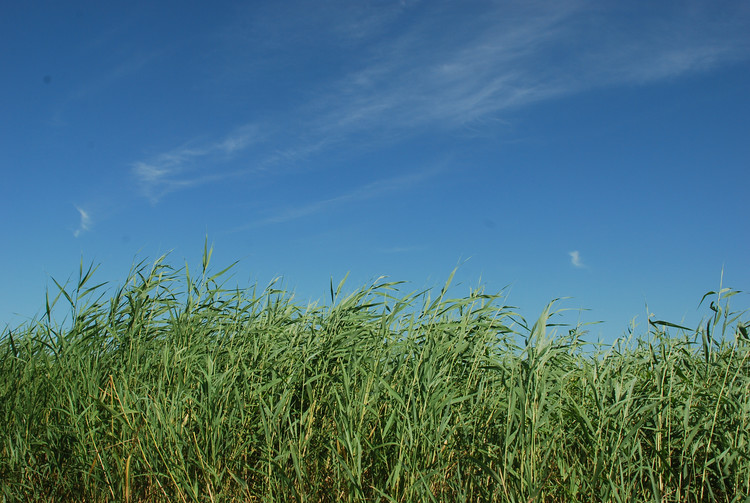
(175, 388)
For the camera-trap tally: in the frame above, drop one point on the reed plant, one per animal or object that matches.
(175, 387)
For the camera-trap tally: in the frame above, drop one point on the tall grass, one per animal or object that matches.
(176, 388)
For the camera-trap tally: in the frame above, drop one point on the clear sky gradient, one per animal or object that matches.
(598, 150)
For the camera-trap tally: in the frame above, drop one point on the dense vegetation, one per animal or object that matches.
(174, 388)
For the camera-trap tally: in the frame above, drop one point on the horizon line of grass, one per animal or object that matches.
(176, 388)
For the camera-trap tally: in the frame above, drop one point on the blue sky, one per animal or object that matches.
(593, 150)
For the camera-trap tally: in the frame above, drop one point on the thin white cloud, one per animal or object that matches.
(400, 249)
(190, 166)
(102, 80)
(85, 223)
(413, 68)
(512, 55)
(378, 188)
(575, 259)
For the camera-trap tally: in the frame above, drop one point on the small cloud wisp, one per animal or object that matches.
(575, 259)
(85, 224)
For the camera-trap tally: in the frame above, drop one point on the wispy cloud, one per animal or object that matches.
(412, 68)
(575, 259)
(103, 80)
(423, 78)
(400, 249)
(512, 55)
(191, 165)
(375, 189)
(85, 223)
